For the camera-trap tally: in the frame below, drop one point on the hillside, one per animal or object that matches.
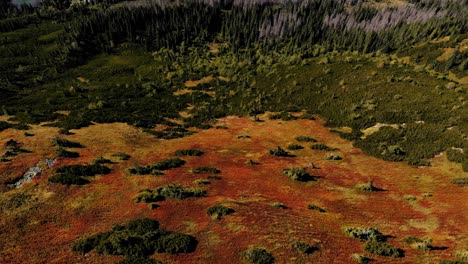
(234, 132)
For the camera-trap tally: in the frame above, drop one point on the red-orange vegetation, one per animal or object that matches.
(42, 230)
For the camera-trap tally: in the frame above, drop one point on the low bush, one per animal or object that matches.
(333, 157)
(368, 187)
(305, 139)
(294, 147)
(156, 168)
(298, 174)
(258, 256)
(419, 244)
(360, 258)
(170, 191)
(251, 162)
(204, 169)
(139, 260)
(202, 182)
(456, 155)
(303, 247)
(316, 208)
(188, 152)
(383, 249)
(102, 160)
(285, 116)
(121, 156)
(63, 153)
(214, 177)
(137, 239)
(279, 152)
(279, 205)
(364, 233)
(218, 211)
(321, 146)
(73, 174)
(65, 143)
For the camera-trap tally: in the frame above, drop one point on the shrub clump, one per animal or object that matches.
(456, 155)
(170, 191)
(360, 258)
(156, 168)
(305, 139)
(303, 247)
(258, 256)
(316, 208)
(218, 211)
(460, 181)
(205, 169)
(188, 152)
(73, 174)
(321, 146)
(137, 238)
(63, 153)
(368, 187)
(294, 147)
(333, 157)
(121, 156)
(65, 143)
(279, 152)
(298, 174)
(364, 233)
(383, 249)
(418, 243)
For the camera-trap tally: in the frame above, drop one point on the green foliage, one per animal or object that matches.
(364, 233)
(170, 191)
(321, 147)
(303, 247)
(305, 139)
(205, 169)
(333, 156)
(202, 182)
(188, 152)
(294, 147)
(139, 260)
(316, 208)
(258, 256)
(418, 243)
(137, 239)
(278, 205)
(298, 174)
(73, 174)
(279, 152)
(285, 116)
(65, 143)
(156, 168)
(121, 156)
(218, 211)
(368, 187)
(383, 249)
(456, 155)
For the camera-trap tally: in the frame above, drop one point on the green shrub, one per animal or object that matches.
(148, 196)
(316, 208)
(460, 181)
(321, 147)
(465, 166)
(121, 156)
(298, 174)
(364, 233)
(204, 169)
(73, 174)
(214, 177)
(368, 187)
(303, 247)
(383, 249)
(202, 182)
(156, 168)
(285, 116)
(294, 147)
(63, 153)
(102, 160)
(456, 155)
(258, 256)
(218, 211)
(188, 152)
(65, 143)
(279, 205)
(360, 258)
(174, 191)
(136, 239)
(333, 157)
(305, 139)
(251, 162)
(279, 152)
(68, 179)
(419, 244)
